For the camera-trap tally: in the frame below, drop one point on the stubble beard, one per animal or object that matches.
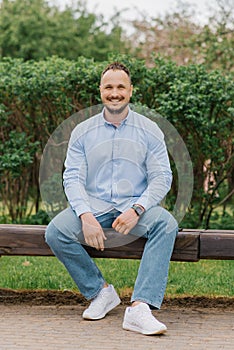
(116, 111)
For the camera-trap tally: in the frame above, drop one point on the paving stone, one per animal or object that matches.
(62, 328)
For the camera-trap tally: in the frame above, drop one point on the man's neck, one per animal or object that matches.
(115, 119)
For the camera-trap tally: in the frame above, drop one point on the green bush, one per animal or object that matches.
(40, 218)
(35, 97)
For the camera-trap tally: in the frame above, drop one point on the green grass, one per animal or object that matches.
(204, 278)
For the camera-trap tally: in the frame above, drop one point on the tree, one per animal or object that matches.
(217, 38)
(177, 36)
(33, 29)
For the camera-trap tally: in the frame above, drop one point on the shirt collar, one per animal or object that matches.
(125, 121)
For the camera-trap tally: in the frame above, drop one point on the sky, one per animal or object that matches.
(151, 7)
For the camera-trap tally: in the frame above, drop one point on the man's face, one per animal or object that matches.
(116, 90)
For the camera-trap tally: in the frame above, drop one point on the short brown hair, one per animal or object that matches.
(116, 66)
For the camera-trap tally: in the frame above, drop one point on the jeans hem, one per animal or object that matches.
(151, 304)
(96, 294)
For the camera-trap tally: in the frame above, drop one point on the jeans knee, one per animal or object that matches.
(50, 234)
(172, 225)
(169, 221)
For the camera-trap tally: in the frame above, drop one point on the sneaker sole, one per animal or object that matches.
(99, 317)
(129, 327)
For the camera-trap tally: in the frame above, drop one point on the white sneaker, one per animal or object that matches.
(139, 319)
(106, 300)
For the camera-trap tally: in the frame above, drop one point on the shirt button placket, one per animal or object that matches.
(116, 175)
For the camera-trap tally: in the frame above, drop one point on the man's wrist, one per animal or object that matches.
(83, 215)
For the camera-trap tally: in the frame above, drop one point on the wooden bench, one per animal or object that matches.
(190, 245)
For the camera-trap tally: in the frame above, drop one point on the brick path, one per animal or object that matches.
(61, 327)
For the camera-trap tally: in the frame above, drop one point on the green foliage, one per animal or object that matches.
(200, 105)
(36, 96)
(16, 157)
(52, 199)
(16, 153)
(35, 29)
(222, 221)
(40, 218)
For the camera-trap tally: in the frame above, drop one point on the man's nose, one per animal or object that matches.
(115, 93)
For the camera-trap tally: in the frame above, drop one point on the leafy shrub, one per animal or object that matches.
(35, 97)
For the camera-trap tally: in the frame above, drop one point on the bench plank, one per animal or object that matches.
(29, 240)
(190, 245)
(217, 245)
(186, 249)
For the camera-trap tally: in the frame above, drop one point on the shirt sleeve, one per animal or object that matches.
(159, 174)
(74, 177)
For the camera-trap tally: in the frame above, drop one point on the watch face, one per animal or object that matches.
(138, 210)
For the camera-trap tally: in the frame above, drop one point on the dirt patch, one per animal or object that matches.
(40, 297)
(44, 297)
(200, 302)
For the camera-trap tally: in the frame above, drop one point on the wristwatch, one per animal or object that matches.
(138, 209)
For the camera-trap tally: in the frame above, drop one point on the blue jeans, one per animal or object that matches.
(64, 236)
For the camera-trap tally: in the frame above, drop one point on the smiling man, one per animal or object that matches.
(116, 91)
(116, 174)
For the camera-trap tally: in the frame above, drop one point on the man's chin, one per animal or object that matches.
(116, 110)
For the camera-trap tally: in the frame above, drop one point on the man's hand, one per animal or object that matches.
(93, 232)
(126, 221)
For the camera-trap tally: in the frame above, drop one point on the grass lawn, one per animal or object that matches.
(204, 278)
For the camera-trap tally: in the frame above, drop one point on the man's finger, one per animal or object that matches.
(95, 243)
(122, 229)
(126, 231)
(117, 228)
(100, 243)
(115, 223)
(103, 235)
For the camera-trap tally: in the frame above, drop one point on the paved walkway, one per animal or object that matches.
(24, 327)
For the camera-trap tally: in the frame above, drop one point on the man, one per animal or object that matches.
(116, 174)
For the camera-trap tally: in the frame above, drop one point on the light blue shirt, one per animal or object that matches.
(110, 167)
